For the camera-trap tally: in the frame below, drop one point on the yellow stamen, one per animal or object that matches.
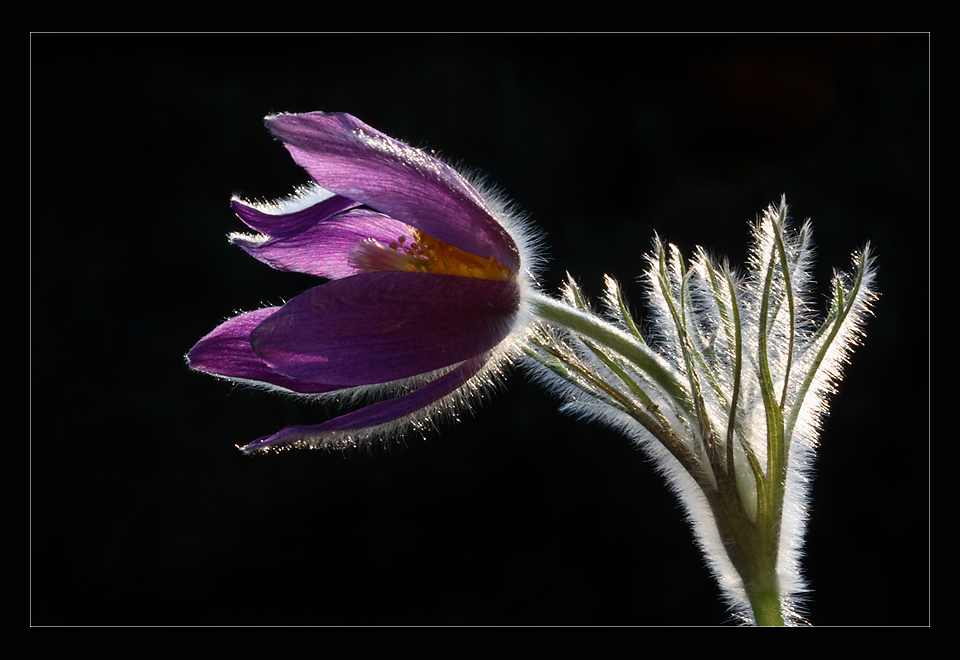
(425, 254)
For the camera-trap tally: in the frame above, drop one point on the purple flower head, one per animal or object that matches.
(426, 298)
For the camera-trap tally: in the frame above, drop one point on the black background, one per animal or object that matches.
(142, 510)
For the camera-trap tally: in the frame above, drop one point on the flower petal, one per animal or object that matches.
(374, 415)
(227, 352)
(323, 249)
(384, 326)
(346, 156)
(289, 217)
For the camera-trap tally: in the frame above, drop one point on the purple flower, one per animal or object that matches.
(426, 298)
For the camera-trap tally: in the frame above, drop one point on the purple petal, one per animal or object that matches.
(276, 221)
(324, 248)
(227, 352)
(384, 326)
(382, 412)
(347, 157)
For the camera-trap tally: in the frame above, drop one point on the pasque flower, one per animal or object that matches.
(426, 294)
(430, 293)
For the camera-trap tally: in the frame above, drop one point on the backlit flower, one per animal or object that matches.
(426, 298)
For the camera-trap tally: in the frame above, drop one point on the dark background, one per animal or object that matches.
(143, 512)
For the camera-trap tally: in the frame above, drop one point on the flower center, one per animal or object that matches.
(419, 253)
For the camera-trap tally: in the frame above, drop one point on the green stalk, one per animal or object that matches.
(620, 342)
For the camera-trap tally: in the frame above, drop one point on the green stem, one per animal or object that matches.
(751, 545)
(766, 606)
(605, 334)
(751, 542)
